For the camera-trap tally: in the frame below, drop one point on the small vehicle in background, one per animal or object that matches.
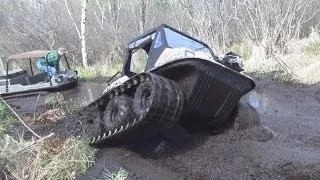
(18, 81)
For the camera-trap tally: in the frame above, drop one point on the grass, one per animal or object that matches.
(300, 64)
(50, 100)
(47, 158)
(312, 49)
(6, 119)
(98, 71)
(54, 99)
(57, 101)
(244, 49)
(120, 175)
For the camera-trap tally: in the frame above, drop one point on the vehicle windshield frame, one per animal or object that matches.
(172, 39)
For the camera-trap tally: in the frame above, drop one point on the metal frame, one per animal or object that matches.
(171, 28)
(30, 63)
(156, 30)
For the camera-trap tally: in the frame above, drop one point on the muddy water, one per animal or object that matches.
(85, 93)
(81, 95)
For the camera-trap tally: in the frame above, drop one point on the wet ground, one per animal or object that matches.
(283, 144)
(84, 93)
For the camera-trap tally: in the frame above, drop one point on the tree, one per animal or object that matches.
(83, 30)
(2, 69)
(142, 23)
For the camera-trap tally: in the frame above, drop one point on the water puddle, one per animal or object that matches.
(85, 93)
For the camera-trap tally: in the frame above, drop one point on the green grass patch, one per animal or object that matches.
(120, 175)
(6, 118)
(57, 101)
(49, 100)
(243, 49)
(53, 99)
(312, 49)
(98, 71)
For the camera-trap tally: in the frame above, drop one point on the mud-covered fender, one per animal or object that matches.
(116, 83)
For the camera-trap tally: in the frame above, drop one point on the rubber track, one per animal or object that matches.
(164, 114)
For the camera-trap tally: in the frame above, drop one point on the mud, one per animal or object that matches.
(279, 139)
(34, 103)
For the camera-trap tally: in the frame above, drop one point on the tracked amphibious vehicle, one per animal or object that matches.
(168, 77)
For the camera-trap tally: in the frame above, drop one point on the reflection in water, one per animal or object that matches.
(85, 93)
(90, 94)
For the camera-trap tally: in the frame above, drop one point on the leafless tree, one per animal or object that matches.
(110, 24)
(83, 31)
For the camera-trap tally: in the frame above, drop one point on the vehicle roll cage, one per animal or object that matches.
(144, 40)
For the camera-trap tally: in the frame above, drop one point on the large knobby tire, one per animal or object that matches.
(118, 112)
(175, 103)
(159, 102)
(90, 121)
(144, 98)
(157, 105)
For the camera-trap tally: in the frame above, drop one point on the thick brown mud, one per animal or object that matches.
(279, 139)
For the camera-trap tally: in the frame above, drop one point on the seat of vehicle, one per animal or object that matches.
(19, 80)
(36, 78)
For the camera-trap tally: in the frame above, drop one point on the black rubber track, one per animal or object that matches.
(165, 111)
(118, 111)
(162, 111)
(91, 121)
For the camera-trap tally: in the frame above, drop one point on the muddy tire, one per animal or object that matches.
(145, 97)
(157, 99)
(157, 105)
(91, 122)
(175, 93)
(118, 111)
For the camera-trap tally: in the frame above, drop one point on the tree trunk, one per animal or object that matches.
(143, 14)
(71, 16)
(2, 67)
(83, 37)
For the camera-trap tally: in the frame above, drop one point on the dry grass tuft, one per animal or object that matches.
(120, 175)
(51, 115)
(298, 65)
(98, 71)
(46, 158)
